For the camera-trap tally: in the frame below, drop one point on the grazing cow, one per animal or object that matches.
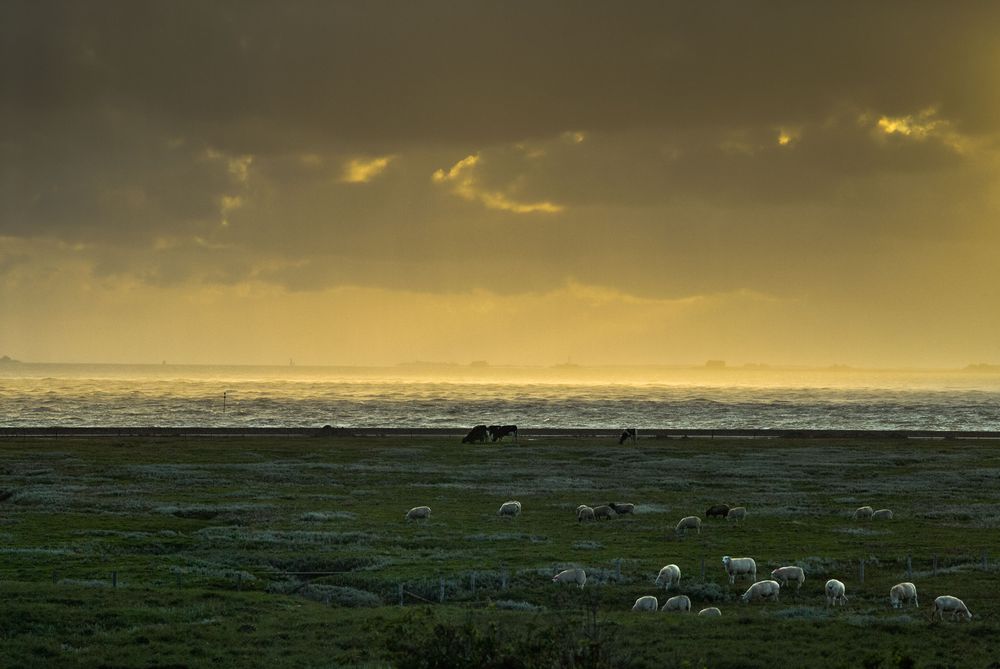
(477, 434)
(498, 432)
(628, 434)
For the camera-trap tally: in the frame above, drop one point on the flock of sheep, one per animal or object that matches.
(670, 575)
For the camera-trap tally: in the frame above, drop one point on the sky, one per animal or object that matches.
(526, 183)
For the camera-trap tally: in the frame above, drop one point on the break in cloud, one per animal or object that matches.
(833, 166)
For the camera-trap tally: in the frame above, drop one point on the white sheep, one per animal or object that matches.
(668, 576)
(681, 603)
(863, 513)
(622, 508)
(835, 593)
(902, 593)
(762, 590)
(604, 511)
(739, 567)
(882, 514)
(577, 576)
(418, 512)
(511, 508)
(584, 512)
(786, 575)
(953, 605)
(737, 513)
(710, 611)
(689, 523)
(646, 603)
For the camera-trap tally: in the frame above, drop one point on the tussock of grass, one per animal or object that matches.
(801, 613)
(512, 605)
(241, 535)
(507, 536)
(588, 545)
(322, 516)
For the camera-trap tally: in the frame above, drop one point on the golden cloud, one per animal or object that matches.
(361, 171)
(465, 184)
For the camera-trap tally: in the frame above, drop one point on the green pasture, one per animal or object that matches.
(292, 552)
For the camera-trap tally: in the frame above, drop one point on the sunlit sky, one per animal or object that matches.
(529, 183)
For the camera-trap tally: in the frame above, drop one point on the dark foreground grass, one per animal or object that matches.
(291, 552)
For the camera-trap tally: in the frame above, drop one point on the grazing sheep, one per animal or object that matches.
(681, 603)
(604, 512)
(786, 575)
(737, 513)
(689, 523)
(577, 576)
(418, 512)
(882, 514)
(953, 605)
(717, 510)
(628, 434)
(646, 603)
(584, 512)
(835, 593)
(864, 513)
(739, 567)
(622, 508)
(902, 593)
(511, 509)
(711, 611)
(479, 433)
(668, 576)
(762, 590)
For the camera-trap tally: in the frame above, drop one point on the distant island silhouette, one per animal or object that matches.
(7, 360)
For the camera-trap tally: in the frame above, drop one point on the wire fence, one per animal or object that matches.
(471, 585)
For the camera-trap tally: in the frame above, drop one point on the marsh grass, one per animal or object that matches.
(314, 531)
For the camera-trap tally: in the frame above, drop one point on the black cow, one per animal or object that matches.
(477, 434)
(498, 432)
(627, 434)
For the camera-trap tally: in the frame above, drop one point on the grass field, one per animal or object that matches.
(291, 552)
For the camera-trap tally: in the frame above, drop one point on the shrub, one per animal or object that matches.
(336, 595)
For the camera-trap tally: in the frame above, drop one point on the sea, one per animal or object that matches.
(455, 396)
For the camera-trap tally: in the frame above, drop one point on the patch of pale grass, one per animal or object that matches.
(225, 535)
(321, 516)
(507, 536)
(588, 545)
(513, 605)
(645, 508)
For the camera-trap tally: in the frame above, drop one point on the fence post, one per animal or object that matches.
(703, 569)
(861, 570)
(441, 592)
(503, 579)
(472, 579)
(400, 594)
(114, 579)
(618, 569)
(909, 566)
(935, 565)
(239, 580)
(55, 576)
(986, 562)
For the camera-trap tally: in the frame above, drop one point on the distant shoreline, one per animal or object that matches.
(524, 433)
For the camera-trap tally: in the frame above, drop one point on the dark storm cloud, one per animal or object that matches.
(264, 75)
